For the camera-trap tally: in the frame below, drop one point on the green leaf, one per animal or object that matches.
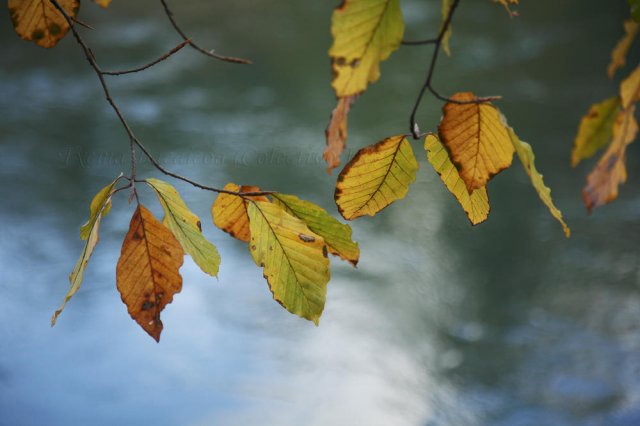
(101, 204)
(446, 6)
(595, 129)
(293, 257)
(525, 153)
(337, 235)
(365, 32)
(186, 227)
(635, 9)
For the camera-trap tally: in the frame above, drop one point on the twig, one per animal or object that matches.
(133, 140)
(184, 36)
(419, 42)
(413, 125)
(150, 64)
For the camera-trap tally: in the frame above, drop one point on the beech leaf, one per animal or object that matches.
(375, 177)
(595, 129)
(365, 32)
(336, 133)
(230, 211)
(39, 21)
(147, 274)
(619, 53)
(186, 227)
(294, 259)
(476, 204)
(527, 158)
(477, 140)
(100, 205)
(610, 172)
(336, 235)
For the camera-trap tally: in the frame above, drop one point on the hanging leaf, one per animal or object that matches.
(293, 257)
(375, 177)
(477, 140)
(336, 133)
(230, 211)
(365, 32)
(147, 274)
(595, 129)
(603, 181)
(186, 227)
(476, 204)
(619, 53)
(446, 6)
(99, 208)
(39, 21)
(630, 88)
(525, 153)
(336, 235)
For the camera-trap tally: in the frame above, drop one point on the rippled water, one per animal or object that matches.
(507, 323)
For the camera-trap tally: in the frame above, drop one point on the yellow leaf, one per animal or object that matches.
(595, 129)
(336, 235)
(477, 140)
(39, 21)
(186, 227)
(476, 204)
(147, 274)
(375, 177)
(230, 211)
(603, 181)
(100, 206)
(293, 257)
(619, 53)
(103, 3)
(446, 6)
(365, 32)
(630, 88)
(525, 153)
(336, 133)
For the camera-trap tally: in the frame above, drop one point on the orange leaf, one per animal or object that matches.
(619, 53)
(477, 140)
(39, 20)
(336, 133)
(230, 211)
(147, 274)
(603, 181)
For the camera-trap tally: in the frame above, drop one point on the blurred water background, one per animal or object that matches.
(507, 323)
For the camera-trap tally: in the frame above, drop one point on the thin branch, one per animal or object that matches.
(184, 36)
(419, 42)
(150, 64)
(413, 125)
(133, 140)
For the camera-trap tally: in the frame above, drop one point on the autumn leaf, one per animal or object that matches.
(230, 211)
(477, 140)
(476, 204)
(375, 177)
(39, 21)
(630, 88)
(595, 129)
(293, 257)
(619, 53)
(336, 235)
(610, 172)
(103, 3)
(147, 274)
(336, 133)
(186, 227)
(527, 158)
(365, 32)
(446, 6)
(99, 208)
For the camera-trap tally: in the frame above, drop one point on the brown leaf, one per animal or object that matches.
(336, 133)
(603, 181)
(147, 274)
(39, 20)
(619, 53)
(230, 211)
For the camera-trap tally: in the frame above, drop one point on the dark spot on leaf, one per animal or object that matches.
(355, 63)
(37, 34)
(262, 264)
(147, 305)
(340, 61)
(325, 252)
(306, 238)
(55, 29)
(270, 248)
(611, 162)
(199, 225)
(253, 246)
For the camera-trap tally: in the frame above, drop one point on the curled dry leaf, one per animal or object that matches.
(230, 211)
(619, 53)
(375, 177)
(595, 129)
(477, 140)
(336, 133)
(39, 21)
(147, 274)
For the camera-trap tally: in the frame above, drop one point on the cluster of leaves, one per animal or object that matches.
(473, 143)
(610, 124)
